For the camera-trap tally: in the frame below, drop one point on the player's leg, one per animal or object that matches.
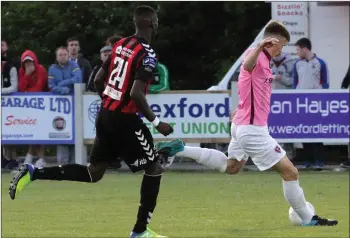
(140, 154)
(266, 153)
(27, 173)
(211, 158)
(294, 194)
(102, 151)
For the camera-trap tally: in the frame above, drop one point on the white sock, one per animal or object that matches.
(28, 159)
(294, 194)
(213, 159)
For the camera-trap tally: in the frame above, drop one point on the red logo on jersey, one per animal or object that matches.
(278, 149)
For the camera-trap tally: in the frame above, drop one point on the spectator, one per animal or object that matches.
(346, 81)
(84, 65)
(310, 72)
(104, 53)
(9, 84)
(4, 48)
(64, 74)
(33, 78)
(345, 84)
(62, 77)
(161, 80)
(4, 54)
(112, 40)
(9, 77)
(282, 70)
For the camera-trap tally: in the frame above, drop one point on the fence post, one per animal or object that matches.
(234, 95)
(80, 147)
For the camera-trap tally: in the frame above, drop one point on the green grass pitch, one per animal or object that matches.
(197, 204)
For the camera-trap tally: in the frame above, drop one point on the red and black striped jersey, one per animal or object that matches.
(131, 59)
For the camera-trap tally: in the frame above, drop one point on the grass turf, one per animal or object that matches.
(189, 205)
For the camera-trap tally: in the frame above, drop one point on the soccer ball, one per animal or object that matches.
(294, 217)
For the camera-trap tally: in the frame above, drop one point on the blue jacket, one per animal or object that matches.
(62, 80)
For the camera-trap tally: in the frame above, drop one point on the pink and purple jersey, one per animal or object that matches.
(254, 90)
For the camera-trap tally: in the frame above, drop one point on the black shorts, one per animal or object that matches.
(125, 136)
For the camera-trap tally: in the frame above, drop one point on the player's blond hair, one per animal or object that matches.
(275, 27)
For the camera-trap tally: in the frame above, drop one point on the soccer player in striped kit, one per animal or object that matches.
(122, 83)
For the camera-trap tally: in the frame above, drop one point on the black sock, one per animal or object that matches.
(149, 193)
(71, 172)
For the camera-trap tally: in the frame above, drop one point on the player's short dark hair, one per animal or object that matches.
(113, 39)
(277, 28)
(144, 11)
(304, 43)
(70, 39)
(61, 48)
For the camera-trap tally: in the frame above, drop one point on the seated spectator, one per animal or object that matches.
(62, 77)
(9, 84)
(104, 53)
(33, 78)
(161, 80)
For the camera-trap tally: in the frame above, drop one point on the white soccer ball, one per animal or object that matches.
(294, 217)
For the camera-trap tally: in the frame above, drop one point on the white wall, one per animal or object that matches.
(329, 34)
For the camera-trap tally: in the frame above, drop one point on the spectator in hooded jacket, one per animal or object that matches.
(33, 78)
(32, 75)
(64, 74)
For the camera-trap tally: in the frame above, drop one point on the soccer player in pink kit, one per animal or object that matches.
(249, 131)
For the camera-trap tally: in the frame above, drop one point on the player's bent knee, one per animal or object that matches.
(97, 171)
(155, 169)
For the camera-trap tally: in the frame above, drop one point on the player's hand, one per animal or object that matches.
(268, 42)
(164, 128)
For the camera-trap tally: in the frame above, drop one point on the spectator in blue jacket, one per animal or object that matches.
(62, 77)
(64, 74)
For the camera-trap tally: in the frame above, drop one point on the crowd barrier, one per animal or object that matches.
(197, 116)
